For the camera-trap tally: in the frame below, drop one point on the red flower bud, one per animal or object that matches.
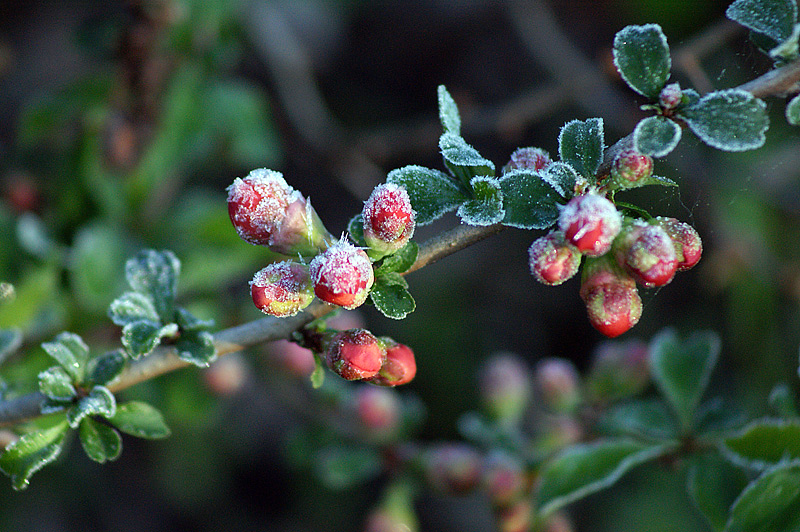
(590, 223)
(342, 275)
(282, 289)
(670, 97)
(504, 384)
(631, 167)
(503, 478)
(619, 370)
(612, 301)
(528, 158)
(647, 253)
(355, 354)
(552, 260)
(226, 375)
(559, 384)
(378, 409)
(292, 358)
(453, 468)
(400, 366)
(686, 240)
(388, 219)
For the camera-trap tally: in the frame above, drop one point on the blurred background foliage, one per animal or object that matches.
(121, 124)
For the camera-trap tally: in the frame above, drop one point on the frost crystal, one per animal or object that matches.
(342, 275)
(388, 217)
(590, 223)
(282, 289)
(257, 204)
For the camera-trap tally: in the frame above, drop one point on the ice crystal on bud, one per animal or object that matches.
(342, 275)
(528, 159)
(355, 354)
(590, 223)
(552, 260)
(647, 253)
(282, 289)
(388, 219)
(685, 239)
(612, 301)
(670, 97)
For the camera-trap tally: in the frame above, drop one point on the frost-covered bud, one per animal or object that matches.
(590, 223)
(400, 366)
(671, 96)
(266, 211)
(388, 220)
(503, 478)
(504, 385)
(686, 240)
(528, 159)
(453, 468)
(552, 260)
(647, 253)
(378, 409)
(342, 275)
(355, 354)
(612, 301)
(631, 168)
(559, 384)
(619, 370)
(282, 289)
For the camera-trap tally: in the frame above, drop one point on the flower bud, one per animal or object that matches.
(631, 168)
(503, 478)
(558, 522)
(342, 275)
(453, 468)
(528, 159)
(590, 223)
(226, 376)
(292, 358)
(557, 433)
(552, 260)
(266, 211)
(647, 253)
(400, 366)
(504, 385)
(378, 409)
(282, 289)
(671, 96)
(388, 220)
(355, 354)
(685, 239)
(559, 384)
(612, 301)
(619, 370)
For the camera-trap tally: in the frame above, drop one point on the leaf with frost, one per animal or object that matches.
(765, 443)
(99, 402)
(656, 136)
(562, 177)
(432, 193)
(448, 112)
(31, 452)
(196, 347)
(107, 367)
(140, 419)
(463, 160)
(100, 442)
(131, 307)
(391, 296)
(641, 55)
(355, 228)
(487, 206)
(729, 120)
(70, 351)
(793, 111)
(141, 337)
(773, 18)
(155, 273)
(56, 384)
(581, 144)
(529, 201)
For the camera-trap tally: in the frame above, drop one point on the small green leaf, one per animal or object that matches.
(586, 468)
(793, 111)
(101, 442)
(729, 120)
(432, 193)
(31, 452)
(581, 144)
(10, 340)
(131, 307)
(399, 261)
(448, 112)
(642, 419)
(140, 420)
(189, 322)
(355, 228)
(107, 367)
(99, 402)
(141, 337)
(391, 296)
(562, 177)
(155, 273)
(530, 202)
(345, 467)
(656, 136)
(789, 49)
(641, 55)
(773, 18)
(487, 206)
(715, 417)
(71, 352)
(681, 369)
(713, 484)
(771, 503)
(197, 347)
(783, 402)
(463, 160)
(764, 443)
(56, 384)
(318, 376)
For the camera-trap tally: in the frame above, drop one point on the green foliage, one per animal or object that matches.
(729, 120)
(765, 443)
(31, 452)
(391, 296)
(771, 19)
(581, 145)
(793, 111)
(641, 55)
(399, 261)
(140, 419)
(487, 206)
(432, 193)
(714, 484)
(448, 112)
(771, 502)
(463, 160)
(656, 136)
(529, 200)
(100, 442)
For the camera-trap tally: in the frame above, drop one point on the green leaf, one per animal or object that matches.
(789, 49)
(140, 420)
(391, 296)
(586, 468)
(355, 228)
(141, 337)
(101, 442)
(641, 55)
(581, 144)
(71, 352)
(448, 112)
(107, 367)
(773, 18)
(197, 347)
(131, 307)
(189, 322)
(642, 419)
(487, 206)
(793, 111)
(782, 401)
(713, 484)
(96, 258)
(432, 193)
(56, 384)
(10, 340)
(714, 418)
(729, 120)
(155, 273)
(681, 369)
(562, 177)
(346, 467)
(530, 202)
(99, 402)
(463, 160)
(31, 452)
(318, 375)
(765, 443)
(656, 136)
(399, 261)
(771, 503)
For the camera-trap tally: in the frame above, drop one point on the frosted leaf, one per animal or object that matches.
(432, 193)
(487, 206)
(793, 111)
(99, 402)
(132, 306)
(100, 442)
(140, 419)
(31, 452)
(448, 112)
(656, 136)
(562, 177)
(141, 337)
(70, 351)
(197, 347)
(528, 200)
(773, 18)
(462, 159)
(155, 273)
(107, 367)
(581, 144)
(641, 55)
(787, 50)
(391, 297)
(56, 384)
(729, 120)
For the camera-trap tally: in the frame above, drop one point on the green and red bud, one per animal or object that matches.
(528, 159)
(453, 468)
(647, 253)
(389, 220)
(670, 97)
(503, 479)
(686, 240)
(590, 223)
(619, 369)
(400, 366)
(355, 354)
(631, 168)
(342, 275)
(552, 260)
(378, 410)
(504, 386)
(282, 288)
(612, 301)
(559, 384)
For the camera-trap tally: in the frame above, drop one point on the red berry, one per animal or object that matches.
(388, 219)
(282, 289)
(590, 223)
(400, 366)
(378, 409)
(631, 168)
(528, 158)
(552, 260)
(647, 253)
(612, 301)
(670, 97)
(342, 275)
(355, 354)
(686, 240)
